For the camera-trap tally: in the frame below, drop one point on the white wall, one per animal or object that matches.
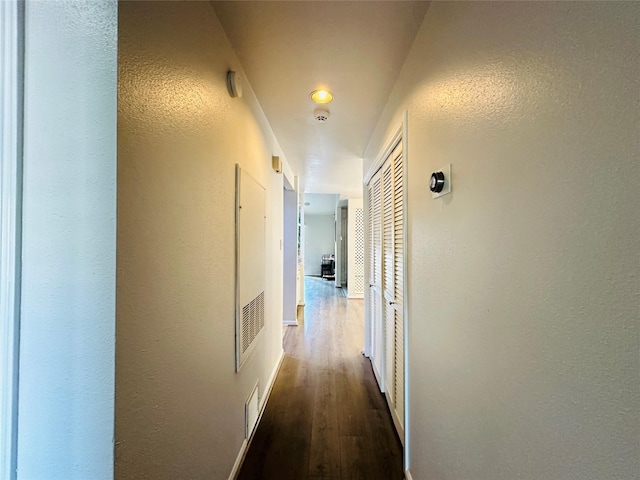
(523, 283)
(319, 240)
(179, 402)
(290, 257)
(67, 337)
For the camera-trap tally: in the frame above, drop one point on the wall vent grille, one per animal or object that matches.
(252, 321)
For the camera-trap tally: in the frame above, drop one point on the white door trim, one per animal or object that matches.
(405, 283)
(401, 134)
(11, 42)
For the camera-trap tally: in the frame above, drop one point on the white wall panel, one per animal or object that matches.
(67, 328)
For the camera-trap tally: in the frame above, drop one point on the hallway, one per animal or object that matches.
(326, 417)
(127, 129)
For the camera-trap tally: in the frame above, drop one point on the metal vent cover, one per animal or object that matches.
(252, 321)
(252, 411)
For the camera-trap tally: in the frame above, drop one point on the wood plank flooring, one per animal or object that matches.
(326, 418)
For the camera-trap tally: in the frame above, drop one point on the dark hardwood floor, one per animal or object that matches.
(326, 418)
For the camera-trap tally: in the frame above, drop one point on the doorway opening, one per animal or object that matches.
(334, 241)
(289, 255)
(320, 236)
(11, 93)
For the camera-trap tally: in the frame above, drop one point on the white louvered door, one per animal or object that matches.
(375, 272)
(398, 284)
(387, 267)
(386, 243)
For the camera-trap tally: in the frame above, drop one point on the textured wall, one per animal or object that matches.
(179, 403)
(523, 283)
(65, 424)
(290, 256)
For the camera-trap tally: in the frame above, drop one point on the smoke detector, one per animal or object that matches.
(321, 114)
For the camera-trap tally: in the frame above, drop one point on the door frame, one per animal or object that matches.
(400, 134)
(289, 253)
(369, 338)
(11, 102)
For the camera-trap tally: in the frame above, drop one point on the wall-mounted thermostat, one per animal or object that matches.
(436, 183)
(440, 182)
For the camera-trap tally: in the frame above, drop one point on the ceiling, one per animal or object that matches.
(355, 49)
(320, 204)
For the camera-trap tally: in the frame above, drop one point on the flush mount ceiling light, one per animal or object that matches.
(321, 96)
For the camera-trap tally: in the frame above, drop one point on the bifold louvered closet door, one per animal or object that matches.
(386, 270)
(375, 275)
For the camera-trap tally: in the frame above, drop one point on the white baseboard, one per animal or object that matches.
(407, 475)
(376, 374)
(290, 323)
(238, 463)
(272, 379)
(265, 397)
(394, 416)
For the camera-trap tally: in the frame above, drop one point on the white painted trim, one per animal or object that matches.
(290, 323)
(407, 295)
(239, 459)
(396, 419)
(401, 134)
(269, 386)
(407, 475)
(11, 21)
(376, 374)
(368, 348)
(237, 465)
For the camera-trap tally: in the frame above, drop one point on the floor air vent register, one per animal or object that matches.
(252, 411)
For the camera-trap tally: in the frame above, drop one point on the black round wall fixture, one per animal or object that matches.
(437, 182)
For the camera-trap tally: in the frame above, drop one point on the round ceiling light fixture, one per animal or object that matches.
(321, 96)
